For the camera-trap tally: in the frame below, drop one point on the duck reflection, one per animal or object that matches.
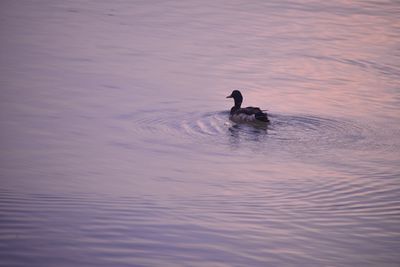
(239, 133)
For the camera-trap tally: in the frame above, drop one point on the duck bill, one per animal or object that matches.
(229, 96)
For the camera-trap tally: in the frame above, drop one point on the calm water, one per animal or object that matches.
(117, 150)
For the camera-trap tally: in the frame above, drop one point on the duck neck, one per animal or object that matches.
(238, 103)
(236, 107)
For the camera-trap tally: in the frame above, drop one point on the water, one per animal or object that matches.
(117, 150)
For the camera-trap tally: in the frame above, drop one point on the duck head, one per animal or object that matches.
(237, 96)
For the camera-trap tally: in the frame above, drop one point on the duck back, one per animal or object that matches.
(248, 114)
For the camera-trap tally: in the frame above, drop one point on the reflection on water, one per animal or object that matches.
(117, 149)
(250, 132)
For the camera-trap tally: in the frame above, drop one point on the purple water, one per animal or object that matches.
(117, 149)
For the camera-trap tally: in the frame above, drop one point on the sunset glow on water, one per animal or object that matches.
(117, 148)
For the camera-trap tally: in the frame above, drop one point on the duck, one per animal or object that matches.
(248, 114)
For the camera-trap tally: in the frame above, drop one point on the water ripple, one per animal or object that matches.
(292, 133)
(121, 230)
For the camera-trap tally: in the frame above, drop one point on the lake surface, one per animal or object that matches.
(117, 148)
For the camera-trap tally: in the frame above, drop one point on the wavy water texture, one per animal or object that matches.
(116, 146)
(145, 232)
(288, 132)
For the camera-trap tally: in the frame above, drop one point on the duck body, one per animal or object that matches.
(248, 114)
